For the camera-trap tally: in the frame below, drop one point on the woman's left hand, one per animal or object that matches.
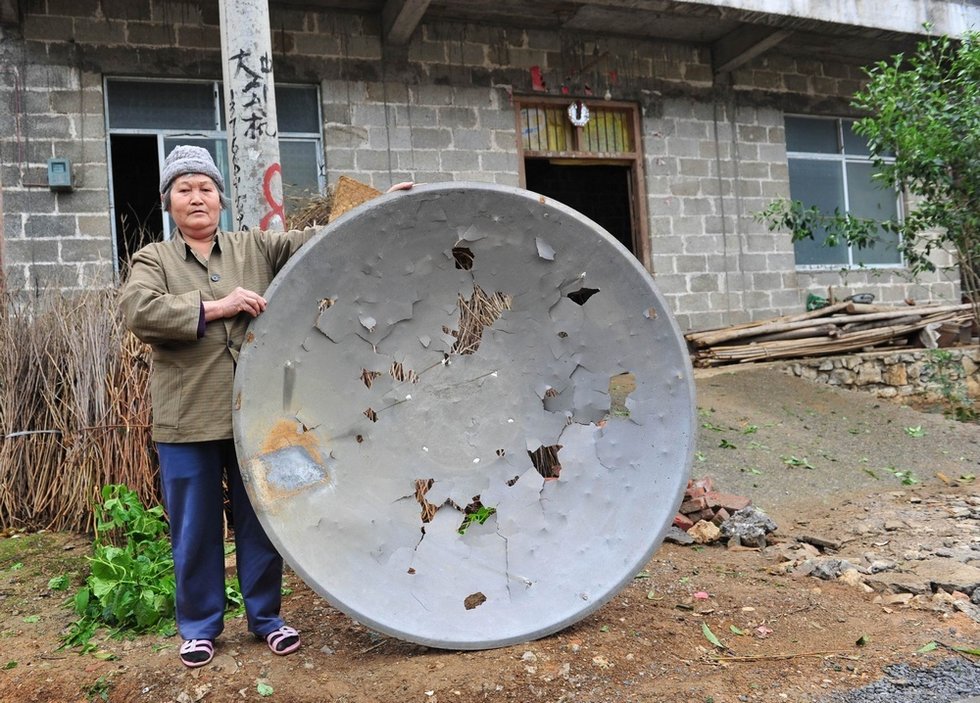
(404, 185)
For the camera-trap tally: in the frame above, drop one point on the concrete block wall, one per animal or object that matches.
(439, 109)
(51, 239)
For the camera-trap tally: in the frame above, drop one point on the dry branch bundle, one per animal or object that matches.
(74, 409)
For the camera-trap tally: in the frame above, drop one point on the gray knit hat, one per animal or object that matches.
(186, 159)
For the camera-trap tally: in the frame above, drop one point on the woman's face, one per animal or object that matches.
(195, 205)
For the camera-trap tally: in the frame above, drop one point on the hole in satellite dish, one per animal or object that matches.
(582, 295)
(500, 452)
(481, 310)
(476, 513)
(620, 387)
(400, 373)
(463, 256)
(371, 415)
(512, 481)
(548, 401)
(369, 376)
(422, 486)
(411, 569)
(545, 460)
(562, 334)
(474, 600)
(325, 303)
(359, 438)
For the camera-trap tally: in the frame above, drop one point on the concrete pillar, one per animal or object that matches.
(250, 109)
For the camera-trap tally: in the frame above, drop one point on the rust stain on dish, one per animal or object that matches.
(288, 433)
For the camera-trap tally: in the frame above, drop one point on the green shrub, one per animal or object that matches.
(131, 586)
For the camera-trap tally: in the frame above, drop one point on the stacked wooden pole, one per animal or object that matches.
(834, 329)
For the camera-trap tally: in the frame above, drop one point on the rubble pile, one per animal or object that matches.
(707, 515)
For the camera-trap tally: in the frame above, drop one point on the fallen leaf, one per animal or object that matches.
(710, 636)
(763, 631)
(702, 595)
(926, 648)
(735, 630)
(863, 640)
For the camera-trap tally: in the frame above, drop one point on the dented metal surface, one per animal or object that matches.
(455, 491)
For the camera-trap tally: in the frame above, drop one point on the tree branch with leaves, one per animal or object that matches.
(922, 125)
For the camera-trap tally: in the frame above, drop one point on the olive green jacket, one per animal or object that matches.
(191, 380)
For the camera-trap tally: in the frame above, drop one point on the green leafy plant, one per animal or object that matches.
(59, 583)
(922, 126)
(916, 431)
(906, 476)
(131, 586)
(98, 691)
(798, 462)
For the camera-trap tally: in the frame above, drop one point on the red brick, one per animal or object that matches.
(707, 515)
(707, 483)
(694, 492)
(694, 505)
(728, 501)
(683, 522)
(720, 516)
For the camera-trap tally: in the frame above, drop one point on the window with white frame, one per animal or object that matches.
(830, 168)
(148, 118)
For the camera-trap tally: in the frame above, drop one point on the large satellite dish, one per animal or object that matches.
(424, 421)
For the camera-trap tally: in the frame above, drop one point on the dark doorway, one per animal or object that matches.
(600, 192)
(136, 194)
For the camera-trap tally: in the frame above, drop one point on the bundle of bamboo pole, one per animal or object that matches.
(833, 329)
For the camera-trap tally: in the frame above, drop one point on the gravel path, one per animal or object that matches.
(951, 681)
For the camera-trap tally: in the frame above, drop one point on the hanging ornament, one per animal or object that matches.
(578, 113)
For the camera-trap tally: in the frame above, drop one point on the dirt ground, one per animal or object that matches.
(822, 462)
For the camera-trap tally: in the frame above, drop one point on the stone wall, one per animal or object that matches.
(439, 109)
(898, 373)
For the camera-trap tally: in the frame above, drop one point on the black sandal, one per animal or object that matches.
(196, 652)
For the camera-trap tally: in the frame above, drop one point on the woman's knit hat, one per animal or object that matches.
(186, 159)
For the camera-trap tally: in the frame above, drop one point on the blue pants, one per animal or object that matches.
(191, 476)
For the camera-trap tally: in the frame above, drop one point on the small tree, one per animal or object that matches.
(923, 131)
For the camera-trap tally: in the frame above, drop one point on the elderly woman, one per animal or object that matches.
(191, 298)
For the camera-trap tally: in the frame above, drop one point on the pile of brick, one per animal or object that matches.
(703, 502)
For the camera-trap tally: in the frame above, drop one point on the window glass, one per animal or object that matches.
(811, 134)
(300, 171)
(160, 105)
(868, 199)
(297, 109)
(819, 183)
(838, 180)
(192, 112)
(854, 144)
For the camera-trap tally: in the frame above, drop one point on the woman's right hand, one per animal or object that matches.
(238, 301)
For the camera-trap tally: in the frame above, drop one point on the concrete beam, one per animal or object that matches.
(9, 12)
(952, 17)
(399, 18)
(743, 45)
